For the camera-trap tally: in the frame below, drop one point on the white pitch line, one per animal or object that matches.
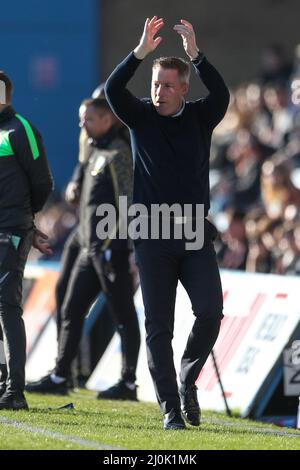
(246, 427)
(56, 435)
(96, 446)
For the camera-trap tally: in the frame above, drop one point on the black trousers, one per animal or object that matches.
(67, 262)
(162, 263)
(84, 275)
(14, 249)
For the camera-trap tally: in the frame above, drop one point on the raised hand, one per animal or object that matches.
(186, 31)
(147, 42)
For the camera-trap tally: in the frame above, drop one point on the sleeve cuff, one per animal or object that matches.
(197, 61)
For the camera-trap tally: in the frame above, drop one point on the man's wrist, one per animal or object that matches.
(139, 53)
(194, 55)
(199, 57)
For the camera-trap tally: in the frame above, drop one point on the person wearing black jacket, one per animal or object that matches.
(92, 265)
(171, 143)
(25, 184)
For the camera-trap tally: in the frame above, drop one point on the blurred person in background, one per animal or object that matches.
(234, 243)
(246, 157)
(278, 190)
(275, 66)
(281, 116)
(289, 261)
(91, 265)
(261, 246)
(72, 195)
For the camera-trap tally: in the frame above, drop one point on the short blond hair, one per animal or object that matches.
(175, 63)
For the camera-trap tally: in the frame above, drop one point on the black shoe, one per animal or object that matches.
(120, 391)
(13, 401)
(173, 420)
(189, 404)
(2, 388)
(46, 385)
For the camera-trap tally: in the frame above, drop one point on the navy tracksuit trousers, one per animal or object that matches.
(162, 263)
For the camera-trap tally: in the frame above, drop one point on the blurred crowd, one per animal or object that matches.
(255, 175)
(255, 171)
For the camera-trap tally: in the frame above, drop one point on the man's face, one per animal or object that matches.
(167, 91)
(95, 122)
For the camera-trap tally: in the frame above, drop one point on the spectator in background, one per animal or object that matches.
(275, 66)
(246, 156)
(288, 263)
(277, 102)
(278, 190)
(261, 244)
(234, 249)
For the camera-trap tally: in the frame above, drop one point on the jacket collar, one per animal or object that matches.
(104, 142)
